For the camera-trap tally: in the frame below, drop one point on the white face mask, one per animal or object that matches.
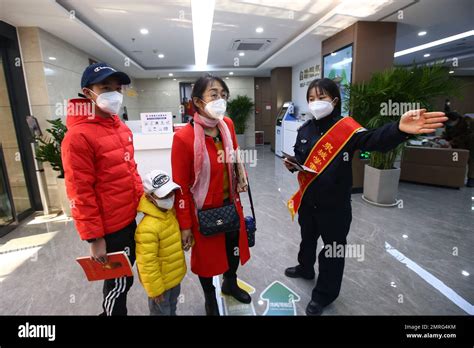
(216, 109)
(320, 108)
(109, 102)
(165, 203)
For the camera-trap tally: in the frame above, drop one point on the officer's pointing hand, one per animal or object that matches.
(421, 122)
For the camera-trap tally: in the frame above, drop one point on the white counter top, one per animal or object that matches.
(152, 151)
(152, 141)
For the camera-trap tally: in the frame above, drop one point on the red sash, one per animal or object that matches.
(323, 152)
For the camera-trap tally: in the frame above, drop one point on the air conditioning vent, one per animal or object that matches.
(251, 44)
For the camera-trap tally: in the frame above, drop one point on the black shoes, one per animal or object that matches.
(230, 287)
(212, 309)
(295, 272)
(314, 308)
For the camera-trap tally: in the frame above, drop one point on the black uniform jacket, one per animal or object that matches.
(332, 189)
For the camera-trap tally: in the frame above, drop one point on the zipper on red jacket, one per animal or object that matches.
(128, 164)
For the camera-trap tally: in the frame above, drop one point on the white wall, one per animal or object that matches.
(299, 88)
(50, 82)
(163, 95)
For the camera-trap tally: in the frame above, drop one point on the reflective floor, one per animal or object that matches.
(414, 260)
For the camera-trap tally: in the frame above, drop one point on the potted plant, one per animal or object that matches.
(239, 109)
(49, 150)
(383, 99)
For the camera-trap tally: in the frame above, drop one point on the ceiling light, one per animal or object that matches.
(170, 74)
(161, 56)
(226, 78)
(143, 31)
(426, 55)
(203, 15)
(405, 236)
(422, 33)
(434, 43)
(231, 73)
(464, 273)
(52, 58)
(451, 71)
(259, 30)
(174, 79)
(241, 54)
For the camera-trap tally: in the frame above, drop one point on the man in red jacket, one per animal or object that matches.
(101, 175)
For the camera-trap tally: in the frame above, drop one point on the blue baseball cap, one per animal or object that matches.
(98, 72)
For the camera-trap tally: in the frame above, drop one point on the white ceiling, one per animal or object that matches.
(440, 19)
(105, 29)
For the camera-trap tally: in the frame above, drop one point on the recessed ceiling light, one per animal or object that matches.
(451, 71)
(161, 56)
(426, 55)
(52, 58)
(241, 54)
(174, 79)
(143, 31)
(170, 74)
(422, 33)
(259, 30)
(231, 73)
(405, 236)
(464, 273)
(226, 78)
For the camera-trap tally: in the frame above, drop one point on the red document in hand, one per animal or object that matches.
(118, 265)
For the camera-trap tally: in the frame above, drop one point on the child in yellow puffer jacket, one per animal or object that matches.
(160, 257)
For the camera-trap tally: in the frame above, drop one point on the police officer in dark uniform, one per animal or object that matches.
(326, 205)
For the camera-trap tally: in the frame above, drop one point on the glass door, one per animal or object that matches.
(6, 210)
(14, 195)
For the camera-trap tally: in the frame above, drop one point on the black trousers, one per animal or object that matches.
(332, 225)
(115, 290)
(231, 242)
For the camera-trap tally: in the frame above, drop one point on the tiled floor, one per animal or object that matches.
(434, 229)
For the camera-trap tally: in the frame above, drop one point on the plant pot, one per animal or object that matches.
(63, 200)
(241, 140)
(381, 186)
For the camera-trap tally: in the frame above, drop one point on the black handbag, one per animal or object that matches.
(223, 219)
(250, 222)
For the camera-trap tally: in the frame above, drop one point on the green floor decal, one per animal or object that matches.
(280, 299)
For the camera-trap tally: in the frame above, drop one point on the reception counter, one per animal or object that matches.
(153, 151)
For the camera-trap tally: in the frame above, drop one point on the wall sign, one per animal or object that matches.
(156, 122)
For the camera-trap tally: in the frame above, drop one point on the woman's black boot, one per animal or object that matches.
(230, 287)
(211, 303)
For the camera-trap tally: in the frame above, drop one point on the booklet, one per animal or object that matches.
(118, 266)
(298, 166)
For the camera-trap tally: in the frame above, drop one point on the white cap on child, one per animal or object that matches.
(159, 183)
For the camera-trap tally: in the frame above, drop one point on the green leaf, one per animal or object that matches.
(239, 109)
(49, 147)
(418, 85)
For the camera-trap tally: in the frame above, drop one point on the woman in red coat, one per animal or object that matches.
(208, 181)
